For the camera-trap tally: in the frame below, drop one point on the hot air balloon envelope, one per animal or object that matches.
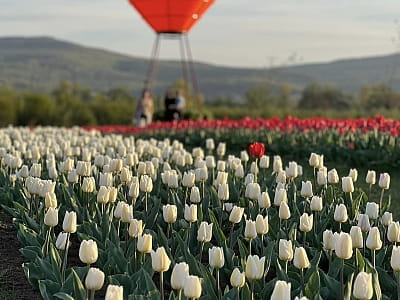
(171, 16)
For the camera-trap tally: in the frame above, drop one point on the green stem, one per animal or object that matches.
(47, 242)
(397, 274)
(91, 295)
(145, 203)
(218, 288)
(161, 286)
(238, 294)
(304, 239)
(286, 266)
(250, 246)
(201, 251)
(64, 263)
(380, 200)
(252, 289)
(302, 282)
(341, 279)
(180, 294)
(373, 258)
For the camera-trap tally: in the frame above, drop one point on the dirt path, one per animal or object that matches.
(13, 283)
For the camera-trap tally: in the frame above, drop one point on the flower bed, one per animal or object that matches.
(155, 219)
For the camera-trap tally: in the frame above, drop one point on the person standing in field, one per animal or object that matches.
(144, 109)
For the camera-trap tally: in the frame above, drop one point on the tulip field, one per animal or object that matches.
(224, 209)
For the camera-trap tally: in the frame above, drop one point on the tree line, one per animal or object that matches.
(71, 104)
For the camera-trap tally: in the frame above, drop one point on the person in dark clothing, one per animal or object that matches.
(171, 109)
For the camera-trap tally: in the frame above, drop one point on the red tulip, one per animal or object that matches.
(257, 149)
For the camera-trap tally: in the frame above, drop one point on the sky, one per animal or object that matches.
(244, 33)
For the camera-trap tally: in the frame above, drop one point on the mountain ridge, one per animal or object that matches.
(40, 63)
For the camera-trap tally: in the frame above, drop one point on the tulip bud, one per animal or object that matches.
(333, 176)
(237, 279)
(347, 185)
(134, 188)
(239, 172)
(135, 228)
(204, 233)
(356, 237)
(328, 240)
(300, 259)
(192, 289)
(395, 258)
(281, 177)
(281, 291)
(94, 279)
(210, 144)
(170, 213)
(316, 203)
(374, 239)
(114, 292)
(372, 210)
(343, 245)
(384, 181)
(201, 174)
(223, 192)
(284, 211)
(387, 218)
(126, 213)
(69, 223)
(393, 233)
(188, 179)
(299, 170)
(249, 179)
(340, 213)
(50, 200)
(221, 166)
(253, 190)
(126, 175)
(250, 231)
(264, 200)
(353, 173)
(306, 222)
(264, 162)
(179, 274)
(306, 189)
(159, 260)
(362, 288)
(210, 162)
(322, 177)
(285, 250)
(103, 195)
(228, 207)
(62, 241)
(314, 160)
(195, 195)
(191, 213)
(363, 223)
(254, 267)
(88, 185)
(88, 252)
(236, 214)
(216, 257)
(145, 243)
(262, 224)
(277, 164)
(51, 217)
(371, 177)
(292, 171)
(280, 196)
(72, 176)
(146, 184)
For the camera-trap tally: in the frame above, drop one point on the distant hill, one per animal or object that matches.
(41, 63)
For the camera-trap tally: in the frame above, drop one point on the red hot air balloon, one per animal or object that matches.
(172, 18)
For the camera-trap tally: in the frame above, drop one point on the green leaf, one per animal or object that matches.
(63, 296)
(313, 285)
(79, 290)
